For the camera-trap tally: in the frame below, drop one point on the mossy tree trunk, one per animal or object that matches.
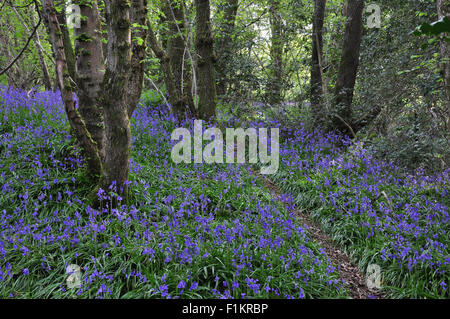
(169, 78)
(178, 55)
(109, 92)
(114, 102)
(443, 8)
(66, 86)
(139, 36)
(117, 99)
(275, 83)
(68, 49)
(90, 69)
(224, 44)
(348, 67)
(316, 93)
(205, 61)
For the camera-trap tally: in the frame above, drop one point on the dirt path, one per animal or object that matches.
(354, 280)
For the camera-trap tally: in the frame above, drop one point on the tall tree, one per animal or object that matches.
(224, 43)
(90, 69)
(205, 61)
(348, 67)
(68, 49)
(66, 86)
(114, 96)
(138, 49)
(275, 83)
(316, 93)
(174, 56)
(177, 51)
(443, 8)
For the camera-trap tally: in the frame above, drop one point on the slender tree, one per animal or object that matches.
(68, 48)
(174, 56)
(443, 8)
(179, 57)
(275, 83)
(316, 93)
(205, 61)
(348, 67)
(138, 49)
(224, 43)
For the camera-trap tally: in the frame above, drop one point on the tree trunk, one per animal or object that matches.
(443, 8)
(77, 124)
(169, 78)
(205, 61)
(90, 69)
(275, 83)
(68, 49)
(348, 67)
(139, 35)
(114, 97)
(316, 63)
(224, 44)
(178, 56)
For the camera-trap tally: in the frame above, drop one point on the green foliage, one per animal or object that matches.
(151, 98)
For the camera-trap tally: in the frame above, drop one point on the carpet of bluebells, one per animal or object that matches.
(186, 231)
(208, 231)
(379, 213)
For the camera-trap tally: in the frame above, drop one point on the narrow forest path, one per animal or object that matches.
(355, 281)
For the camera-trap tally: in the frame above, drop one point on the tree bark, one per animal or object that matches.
(138, 15)
(316, 93)
(205, 61)
(114, 97)
(90, 69)
(275, 83)
(76, 122)
(224, 44)
(348, 67)
(443, 8)
(68, 49)
(178, 55)
(169, 78)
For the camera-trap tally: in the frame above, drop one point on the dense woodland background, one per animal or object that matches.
(261, 55)
(339, 85)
